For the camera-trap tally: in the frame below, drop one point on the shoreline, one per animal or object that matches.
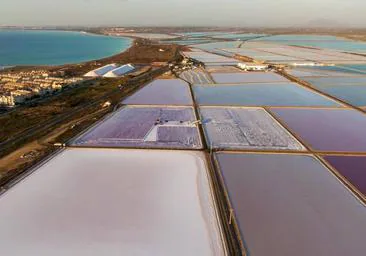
(140, 51)
(132, 40)
(18, 68)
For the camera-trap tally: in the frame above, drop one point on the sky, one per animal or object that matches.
(265, 13)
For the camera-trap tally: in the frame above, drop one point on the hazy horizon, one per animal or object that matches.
(250, 13)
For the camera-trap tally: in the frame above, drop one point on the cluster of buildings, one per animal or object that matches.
(253, 67)
(16, 88)
(117, 31)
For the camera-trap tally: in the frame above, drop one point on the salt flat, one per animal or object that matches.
(245, 128)
(112, 202)
(145, 127)
(162, 92)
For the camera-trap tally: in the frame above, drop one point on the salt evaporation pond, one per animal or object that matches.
(245, 128)
(112, 202)
(247, 77)
(218, 45)
(243, 37)
(292, 205)
(336, 80)
(308, 73)
(197, 76)
(332, 130)
(335, 70)
(352, 94)
(145, 127)
(188, 41)
(342, 45)
(319, 41)
(298, 38)
(162, 92)
(201, 34)
(359, 68)
(352, 168)
(257, 94)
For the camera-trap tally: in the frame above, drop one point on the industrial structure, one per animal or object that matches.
(111, 70)
(101, 71)
(120, 71)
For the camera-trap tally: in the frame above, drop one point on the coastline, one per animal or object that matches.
(17, 68)
(129, 44)
(141, 51)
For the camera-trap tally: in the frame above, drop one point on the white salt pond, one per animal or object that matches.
(245, 128)
(112, 202)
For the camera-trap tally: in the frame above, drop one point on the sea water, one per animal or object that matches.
(40, 47)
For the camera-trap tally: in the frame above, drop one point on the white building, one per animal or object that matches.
(20, 96)
(7, 100)
(120, 71)
(101, 71)
(252, 67)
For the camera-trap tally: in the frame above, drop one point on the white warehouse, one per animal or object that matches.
(101, 71)
(120, 71)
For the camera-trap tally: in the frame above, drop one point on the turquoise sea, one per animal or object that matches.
(40, 47)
